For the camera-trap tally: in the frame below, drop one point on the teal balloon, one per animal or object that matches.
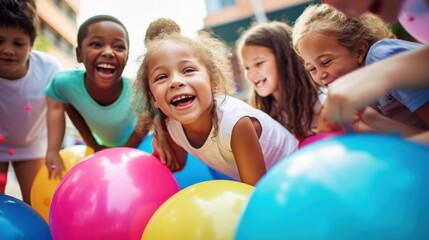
(355, 186)
(19, 221)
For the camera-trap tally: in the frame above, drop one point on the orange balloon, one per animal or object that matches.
(43, 188)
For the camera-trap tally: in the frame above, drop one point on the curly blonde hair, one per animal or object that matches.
(211, 51)
(326, 20)
(160, 26)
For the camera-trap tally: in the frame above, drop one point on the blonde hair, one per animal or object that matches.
(211, 51)
(160, 26)
(326, 20)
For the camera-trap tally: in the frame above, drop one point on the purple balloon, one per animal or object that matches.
(414, 17)
(110, 195)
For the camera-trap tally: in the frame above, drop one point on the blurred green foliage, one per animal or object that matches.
(401, 33)
(42, 44)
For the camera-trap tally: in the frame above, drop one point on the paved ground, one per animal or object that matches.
(12, 186)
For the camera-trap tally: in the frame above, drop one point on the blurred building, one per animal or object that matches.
(58, 29)
(58, 33)
(228, 18)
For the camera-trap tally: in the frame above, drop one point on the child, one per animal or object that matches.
(357, 89)
(333, 45)
(96, 99)
(156, 29)
(281, 86)
(24, 74)
(188, 81)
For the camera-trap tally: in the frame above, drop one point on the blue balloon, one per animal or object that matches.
(19, 221)
(356, 186)
(195, 170)
(146, 144)
(219, 176)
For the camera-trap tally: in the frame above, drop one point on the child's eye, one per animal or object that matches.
(19, 44)
(120, 48)
(259, 63)
(188, 70)
(312, 70)
(326, 62)
(160, 77)
(94, 44)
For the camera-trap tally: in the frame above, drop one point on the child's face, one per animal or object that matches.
(261, 70)
(388, 10)
(104, 53)
(15, 48)
(180, 84)
(326, 60)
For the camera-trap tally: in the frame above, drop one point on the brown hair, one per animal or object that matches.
(20, 14)
(298, 93)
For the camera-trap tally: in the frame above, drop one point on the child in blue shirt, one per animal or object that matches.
(333, 45)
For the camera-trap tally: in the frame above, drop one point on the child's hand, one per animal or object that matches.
(352, 92)
(369, 120)
(324, 125)
(163, 151)
(55, 165)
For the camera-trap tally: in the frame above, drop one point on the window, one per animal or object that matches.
(216, 5)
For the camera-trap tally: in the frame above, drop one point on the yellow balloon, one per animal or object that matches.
(43, 188)
(206, 210)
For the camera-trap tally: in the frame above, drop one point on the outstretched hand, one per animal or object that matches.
(365, 85)
(353, 92)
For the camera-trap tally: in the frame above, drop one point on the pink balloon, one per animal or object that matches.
(414, 17)
(110, 195)
(317, 137)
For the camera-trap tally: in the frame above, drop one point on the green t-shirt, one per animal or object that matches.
(110, 125)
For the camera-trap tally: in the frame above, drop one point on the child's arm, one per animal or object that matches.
(135, 139)
(365, 85)
(422, 137)
(423, 111)
(369, 120)
(83, 128)
(56, 129)
(324, 125)
(247, 150)
(170, 154)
